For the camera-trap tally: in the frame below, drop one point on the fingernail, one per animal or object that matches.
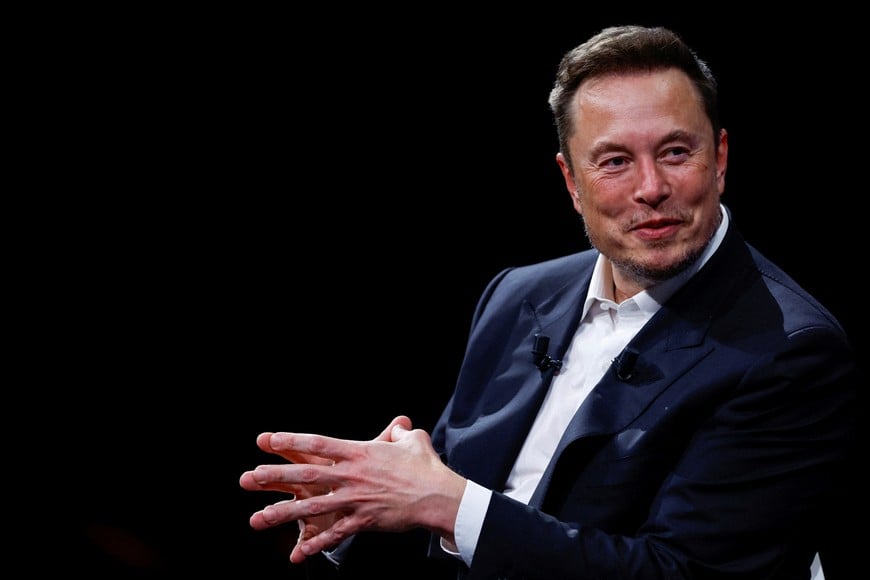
(278, 440)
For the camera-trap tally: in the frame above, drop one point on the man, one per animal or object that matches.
(669, 404)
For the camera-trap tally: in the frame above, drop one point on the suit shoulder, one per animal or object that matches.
(800, 308)
(553, 273)
(539, 281)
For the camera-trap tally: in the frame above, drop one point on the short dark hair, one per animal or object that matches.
(627, 49)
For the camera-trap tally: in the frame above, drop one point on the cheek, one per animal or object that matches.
(606, 203)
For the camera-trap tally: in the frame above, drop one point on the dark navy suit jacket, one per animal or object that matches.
(714, 457)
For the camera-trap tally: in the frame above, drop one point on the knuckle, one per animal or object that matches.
(314, 507)
(317, 445)
(308, 474)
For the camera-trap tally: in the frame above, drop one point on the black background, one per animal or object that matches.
(282, 221)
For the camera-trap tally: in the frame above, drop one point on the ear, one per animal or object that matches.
(570, 184)
(721, 160)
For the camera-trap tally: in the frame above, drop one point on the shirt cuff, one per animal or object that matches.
(469, 522)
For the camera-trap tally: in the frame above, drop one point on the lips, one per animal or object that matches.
(657, 229)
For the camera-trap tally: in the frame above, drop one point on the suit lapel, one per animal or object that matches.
(490, 446)
(670, 344)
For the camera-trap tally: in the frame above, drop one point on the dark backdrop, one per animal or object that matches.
(283, 222)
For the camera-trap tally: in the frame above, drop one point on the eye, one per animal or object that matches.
(614, 162)
(675, 153)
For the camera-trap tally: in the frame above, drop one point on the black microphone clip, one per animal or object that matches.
(540, 357)
(625, 363)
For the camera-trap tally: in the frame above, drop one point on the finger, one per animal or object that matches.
(397, 433)
(386, 434)
(325, 540)
(306, 532)
(264, 442)
(259, 520)
(297, 556)
(314, 479)
(273, 515)
(313, 448)
(248, 482)
(286, 511)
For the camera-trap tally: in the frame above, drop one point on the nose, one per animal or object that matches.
(652, 184)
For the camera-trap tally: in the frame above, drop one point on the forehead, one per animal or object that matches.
(631, 100)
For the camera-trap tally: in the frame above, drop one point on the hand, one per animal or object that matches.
(308, 527)
(394, 482)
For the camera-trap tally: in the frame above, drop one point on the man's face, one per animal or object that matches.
(647, 173)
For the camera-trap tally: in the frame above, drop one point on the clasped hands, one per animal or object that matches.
(393, 483)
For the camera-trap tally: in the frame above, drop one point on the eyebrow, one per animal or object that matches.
(675, 135)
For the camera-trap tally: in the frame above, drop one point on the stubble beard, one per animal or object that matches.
(646, 276)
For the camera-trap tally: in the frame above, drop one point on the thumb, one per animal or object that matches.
(387, 434)
(398, 432)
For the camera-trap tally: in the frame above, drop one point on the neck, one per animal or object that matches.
(624, 287)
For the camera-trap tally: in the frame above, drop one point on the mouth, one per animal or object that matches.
(657, 229)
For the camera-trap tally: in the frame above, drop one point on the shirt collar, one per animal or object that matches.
(651, 299)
